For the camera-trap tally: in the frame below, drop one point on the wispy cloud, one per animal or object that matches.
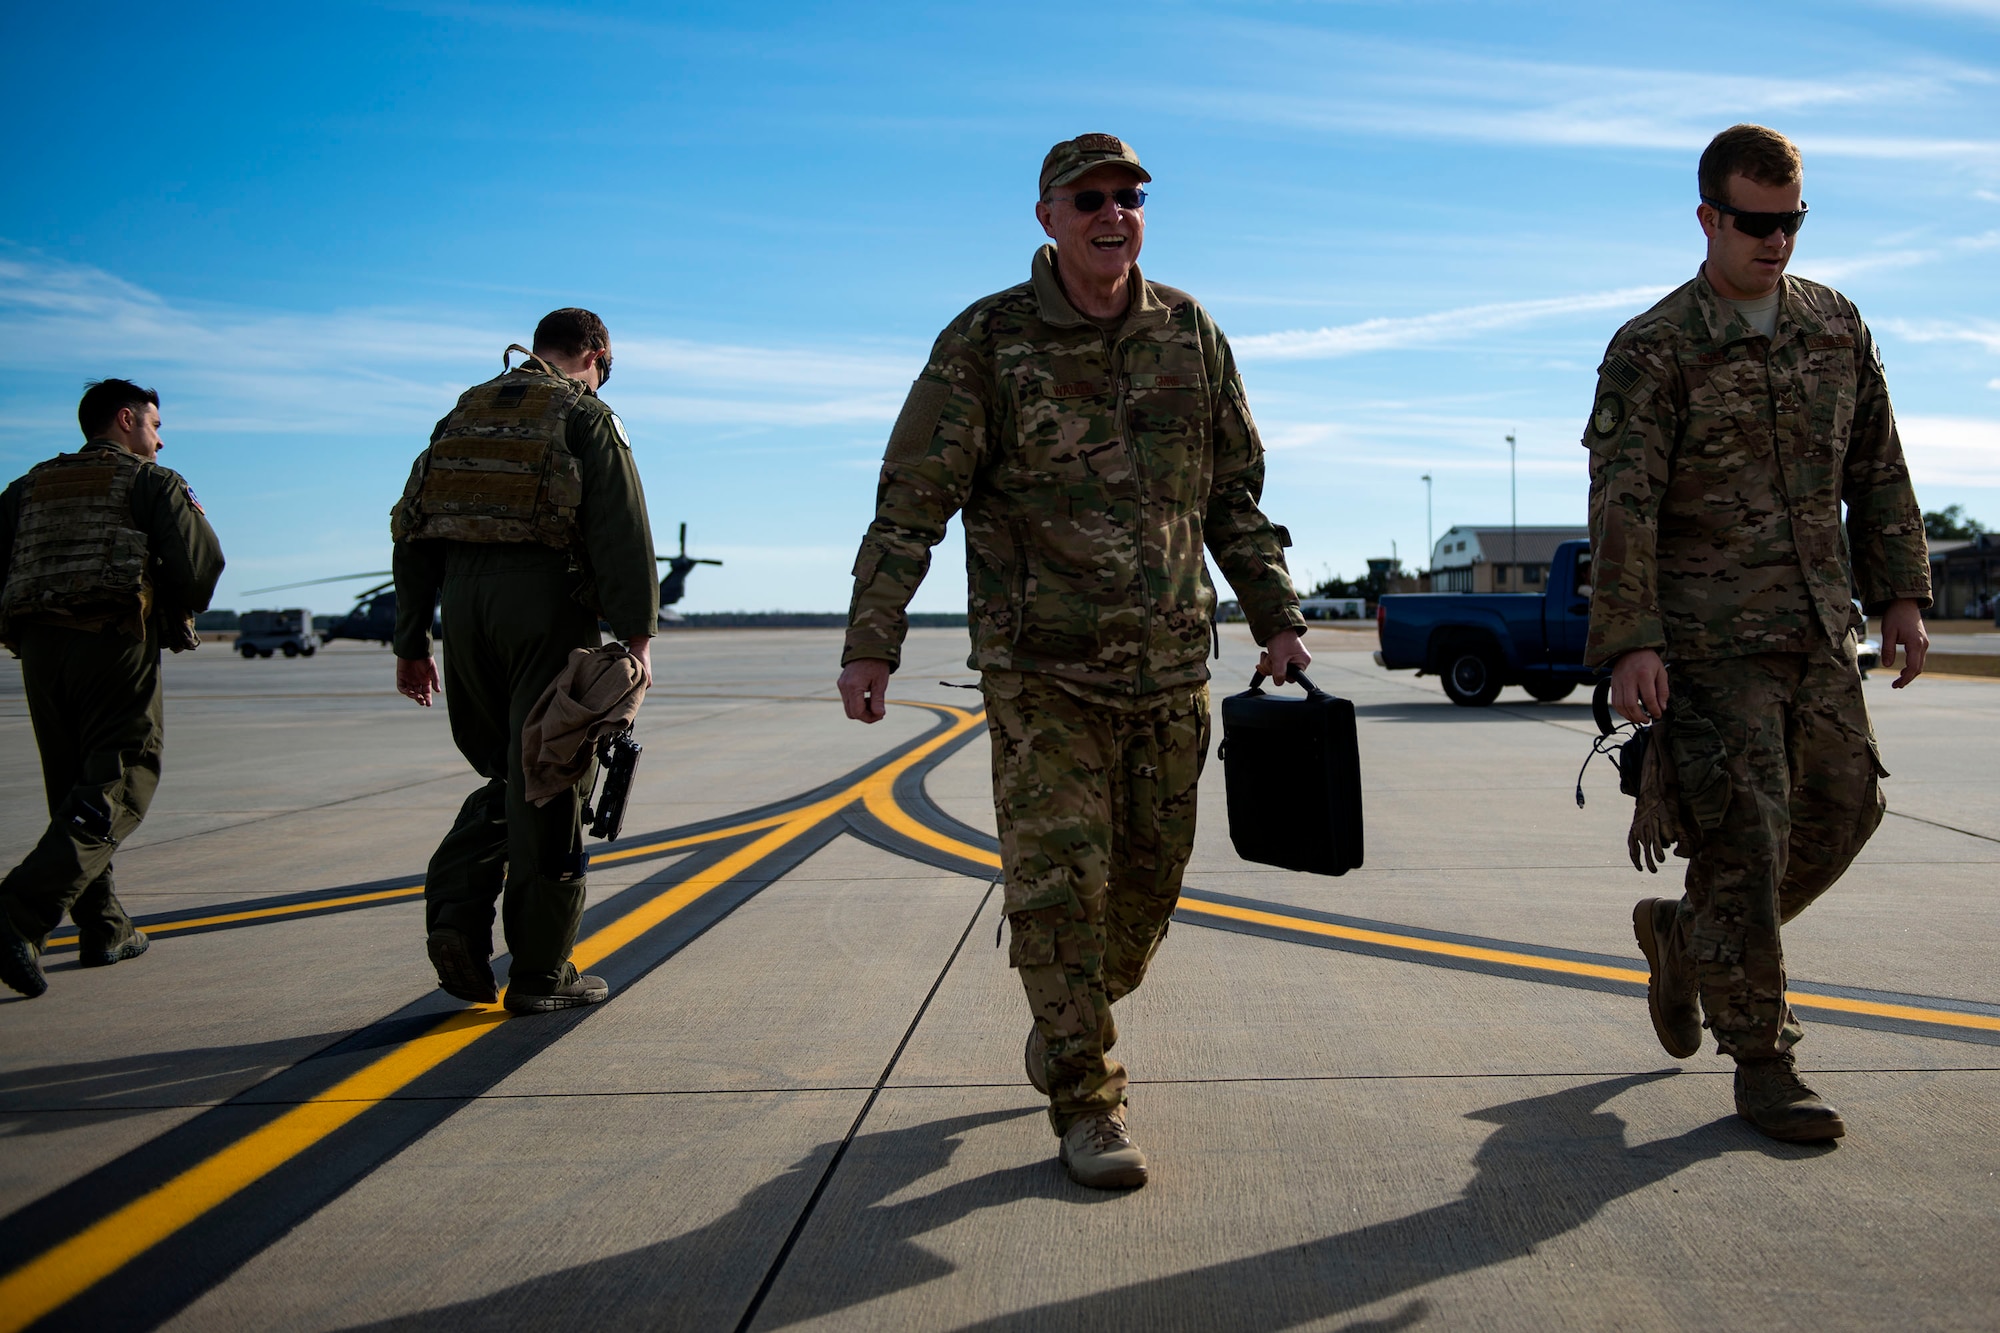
(230, 369)
(1434, 92)
(1951, 451)
(1838, 269)
(1442, 327)
(1985, 9)
(1980, 333)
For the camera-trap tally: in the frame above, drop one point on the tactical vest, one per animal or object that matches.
(78, 556)
(500, 469)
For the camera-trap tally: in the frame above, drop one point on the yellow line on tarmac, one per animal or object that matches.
(60, 1274)
(882, 805)
(261, 913)
(1307, 926)
(384, 895)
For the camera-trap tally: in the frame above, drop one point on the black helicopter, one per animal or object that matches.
(674, 586)
(373, 619)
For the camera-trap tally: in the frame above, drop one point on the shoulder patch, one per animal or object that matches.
(619, 426)
(191, 500)
(1610, 413)
(1620, 372)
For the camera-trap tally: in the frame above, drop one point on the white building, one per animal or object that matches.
(1502, 559)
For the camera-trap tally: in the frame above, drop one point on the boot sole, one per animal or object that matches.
(19, 966)
(131, 948)
(459, 974)
(1816, 1132)
(548, 1004)
(1649, 945)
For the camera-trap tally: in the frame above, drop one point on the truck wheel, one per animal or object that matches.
(291, 649)
(310, 649)
(1552, 691)
(249, 650)
(1472, 678)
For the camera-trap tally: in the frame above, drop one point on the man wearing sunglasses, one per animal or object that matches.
(1733, 421)
(525, 517)
(1092, 428)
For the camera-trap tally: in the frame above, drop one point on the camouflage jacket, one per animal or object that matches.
(179, 557)
(1092, 469)
(616, 573)
(1719, 462)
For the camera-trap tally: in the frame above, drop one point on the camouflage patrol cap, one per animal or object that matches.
(1072, 157)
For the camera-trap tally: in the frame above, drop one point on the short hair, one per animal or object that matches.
(1762, 154)
(571, 331)
(103, 400)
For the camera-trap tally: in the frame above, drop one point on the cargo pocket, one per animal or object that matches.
(1031, 939)
(866, 561)
(1875, 759)
(1876, 802)
(1703, 767)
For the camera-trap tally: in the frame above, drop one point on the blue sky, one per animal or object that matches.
(1418, 223)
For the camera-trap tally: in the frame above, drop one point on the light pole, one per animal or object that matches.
(1430, 543)
(1514, 505)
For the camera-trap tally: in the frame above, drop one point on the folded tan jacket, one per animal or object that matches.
(599, 692)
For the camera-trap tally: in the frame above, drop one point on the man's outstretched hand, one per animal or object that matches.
(417, 678)
(863, 684)
(1282, 654)
(1903, 623)
(1639, 686)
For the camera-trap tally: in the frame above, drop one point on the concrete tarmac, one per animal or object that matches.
(1422, 1095)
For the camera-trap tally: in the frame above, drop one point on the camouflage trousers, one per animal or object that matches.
(1791, 733)
(1096, 804)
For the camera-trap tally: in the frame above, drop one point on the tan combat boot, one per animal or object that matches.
(1670, 984)
(1771, 1096)
(1100, 1154)
(1036, 1058)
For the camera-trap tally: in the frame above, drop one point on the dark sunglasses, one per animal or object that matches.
(1759, 225)
(603, 368)
(1089, 201)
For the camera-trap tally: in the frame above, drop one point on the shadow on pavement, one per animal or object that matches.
(32, 1100)
(1554, 1162)
(704, 1279)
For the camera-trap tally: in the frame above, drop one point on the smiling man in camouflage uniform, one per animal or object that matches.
(1092, 428)
(1732, 422)
(105, 558)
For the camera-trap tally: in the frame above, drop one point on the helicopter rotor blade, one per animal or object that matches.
(308, 583)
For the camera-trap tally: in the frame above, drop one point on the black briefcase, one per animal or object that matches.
(1293, 772)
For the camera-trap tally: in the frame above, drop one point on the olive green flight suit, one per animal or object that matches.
(513, 612)
(94, 697)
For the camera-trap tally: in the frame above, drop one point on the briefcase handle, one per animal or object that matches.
(1257, 679)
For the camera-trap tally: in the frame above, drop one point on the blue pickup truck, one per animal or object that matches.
(1477, 642)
